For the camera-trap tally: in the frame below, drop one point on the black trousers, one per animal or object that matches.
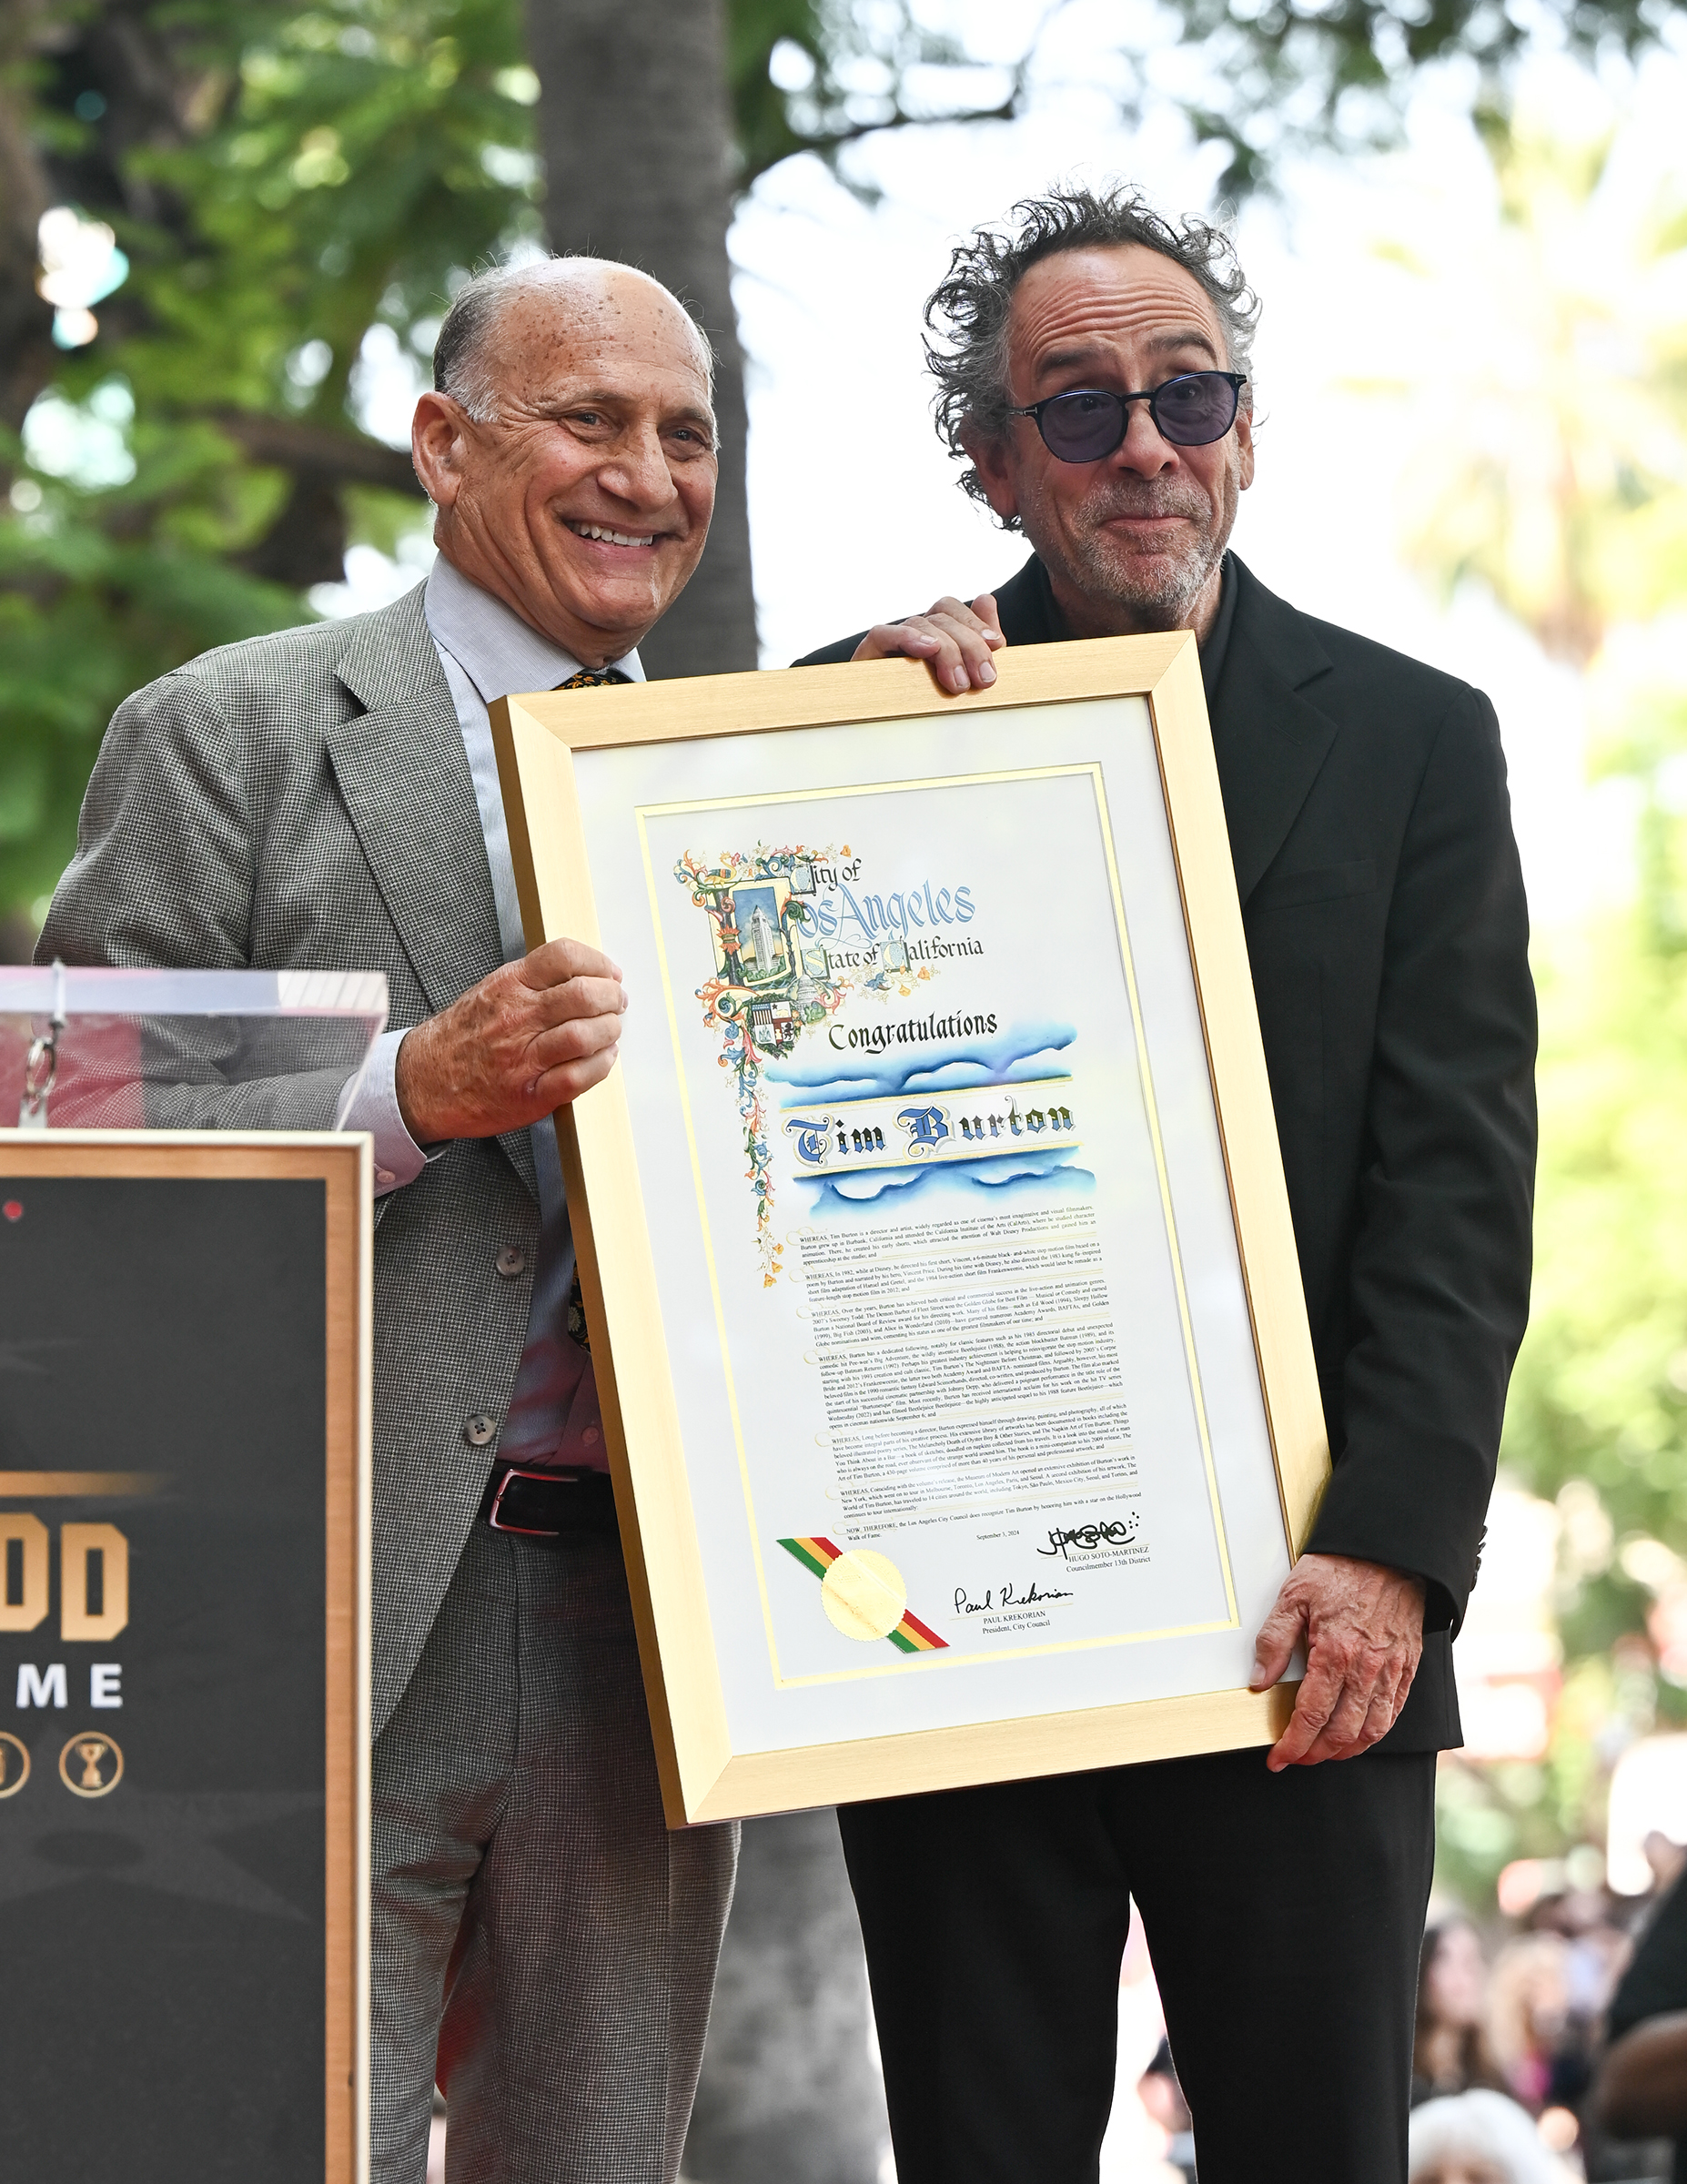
(1283, 1913)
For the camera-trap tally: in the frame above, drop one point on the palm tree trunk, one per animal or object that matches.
(789, 2094)
(634, 126)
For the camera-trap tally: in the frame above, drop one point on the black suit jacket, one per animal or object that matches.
(1371, 831)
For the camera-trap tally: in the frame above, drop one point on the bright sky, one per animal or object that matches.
(855, 511)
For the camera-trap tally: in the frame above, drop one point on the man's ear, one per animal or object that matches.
(990, 459)
(1245, 444)
(437, 433)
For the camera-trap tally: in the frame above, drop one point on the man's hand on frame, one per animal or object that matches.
(955, 640)
(1362, 1624)
(526, 1041)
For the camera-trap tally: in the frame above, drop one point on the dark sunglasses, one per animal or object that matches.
(1191, 411)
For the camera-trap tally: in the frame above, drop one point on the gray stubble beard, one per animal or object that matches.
(1169, 604)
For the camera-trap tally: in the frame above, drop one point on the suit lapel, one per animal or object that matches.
(1269, 741)
(1026, 606)
(404, 777)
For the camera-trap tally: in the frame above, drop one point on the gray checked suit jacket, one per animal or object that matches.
(305, 800)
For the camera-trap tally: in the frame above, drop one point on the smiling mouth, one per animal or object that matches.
(1147, 525)
(605, 537)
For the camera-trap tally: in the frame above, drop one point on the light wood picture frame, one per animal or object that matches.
(590, 779)
(226, 1336)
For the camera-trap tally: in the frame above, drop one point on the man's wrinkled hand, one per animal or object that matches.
(526, 1041)
(1362, 1625)
(955, 640)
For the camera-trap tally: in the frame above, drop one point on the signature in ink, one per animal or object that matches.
(1114, 1532)
(1009, 1597)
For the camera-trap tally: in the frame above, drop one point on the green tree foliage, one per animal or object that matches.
(1553, 471)
(284, 181)
(1600, 1391)
(281, 181)
(1553, 430)
(1550, 467)
(287, 180)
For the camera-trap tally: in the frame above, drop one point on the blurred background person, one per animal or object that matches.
(1450, 2050)
(1161, 2095)
(1479, 2138)
(1665, 1858)
(1641, 2088)
(1529, 2020)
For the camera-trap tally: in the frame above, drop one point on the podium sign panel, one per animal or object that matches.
(933, 1227)
(183, 1651)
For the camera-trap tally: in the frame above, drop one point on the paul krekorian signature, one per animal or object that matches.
(1116, 1531)
(1010, 1596)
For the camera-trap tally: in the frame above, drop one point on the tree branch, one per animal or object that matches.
(319, 451)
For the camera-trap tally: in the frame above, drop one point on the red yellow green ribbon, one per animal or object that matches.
(911, 1636)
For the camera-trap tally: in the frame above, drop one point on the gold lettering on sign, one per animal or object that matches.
(78, 1546)
(24, 1584)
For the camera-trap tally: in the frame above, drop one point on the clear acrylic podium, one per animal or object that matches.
(184, 1050)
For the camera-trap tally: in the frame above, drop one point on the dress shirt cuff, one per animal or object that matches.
(373, 1106)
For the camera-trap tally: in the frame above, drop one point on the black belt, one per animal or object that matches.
(548, 1504)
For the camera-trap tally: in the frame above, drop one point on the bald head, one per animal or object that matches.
(475, 331)
(569, 448)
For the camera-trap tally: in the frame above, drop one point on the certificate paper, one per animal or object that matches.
(919, 1098)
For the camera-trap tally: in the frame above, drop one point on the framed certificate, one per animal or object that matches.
(933, 1232)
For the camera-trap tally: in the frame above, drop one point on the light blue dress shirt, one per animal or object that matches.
(488, 653)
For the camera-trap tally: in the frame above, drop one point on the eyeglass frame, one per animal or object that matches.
(1237, 380)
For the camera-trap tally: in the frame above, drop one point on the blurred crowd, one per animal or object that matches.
(1524, 2066)
(1512, 2033)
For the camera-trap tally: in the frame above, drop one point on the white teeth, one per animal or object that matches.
(612, 538)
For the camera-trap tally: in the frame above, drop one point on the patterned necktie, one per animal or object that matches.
(574, 1313)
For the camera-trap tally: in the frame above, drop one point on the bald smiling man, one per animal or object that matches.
(328, 799)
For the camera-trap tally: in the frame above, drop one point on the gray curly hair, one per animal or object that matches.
(967, 313)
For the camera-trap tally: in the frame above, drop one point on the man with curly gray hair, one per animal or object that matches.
(1145, 549)
(1093, 365)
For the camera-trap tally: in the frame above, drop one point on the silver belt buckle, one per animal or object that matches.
(531, 1532)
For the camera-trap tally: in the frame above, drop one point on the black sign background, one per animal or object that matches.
(161, 1956)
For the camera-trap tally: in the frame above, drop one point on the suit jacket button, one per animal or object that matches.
(479, 1430)
(511, 1262)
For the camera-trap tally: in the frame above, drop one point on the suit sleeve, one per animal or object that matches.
(164, 878)
(832, 655)
(1439, 1288)
(1655, 1983)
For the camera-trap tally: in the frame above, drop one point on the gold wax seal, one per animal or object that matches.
(863, 1594)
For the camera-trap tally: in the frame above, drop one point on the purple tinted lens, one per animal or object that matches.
(1088, 424)
(1195, 408)
(1082, 427)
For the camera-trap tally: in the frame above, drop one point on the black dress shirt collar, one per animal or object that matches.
(1031, 615)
